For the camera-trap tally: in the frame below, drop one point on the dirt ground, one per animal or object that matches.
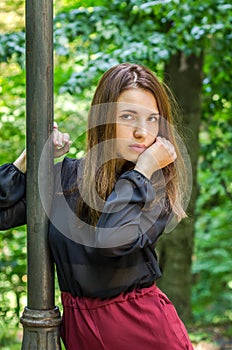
(213, 338)
(203, 345)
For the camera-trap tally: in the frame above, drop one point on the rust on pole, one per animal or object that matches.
(40, 319)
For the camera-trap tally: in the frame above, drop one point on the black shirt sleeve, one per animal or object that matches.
(12, 197)
(132, 218)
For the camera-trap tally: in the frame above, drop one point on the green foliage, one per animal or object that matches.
(8, 337)
(149, 33)
(97, 37)
(12, 112)
(12, 274)
(212, 260)
(12, 46)
(213, 252)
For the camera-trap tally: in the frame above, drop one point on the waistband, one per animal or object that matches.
(86, 303)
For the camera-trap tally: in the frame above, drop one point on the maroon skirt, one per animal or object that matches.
(142, 319)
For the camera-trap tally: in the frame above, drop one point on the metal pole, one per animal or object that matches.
(40, 319)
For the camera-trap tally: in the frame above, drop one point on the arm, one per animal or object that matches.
(132, 218)
(61, 144)
(12, 197)
(13, 184)
(134, 215)
(21, 162)
(13, 216)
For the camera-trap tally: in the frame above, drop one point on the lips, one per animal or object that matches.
(139, 148)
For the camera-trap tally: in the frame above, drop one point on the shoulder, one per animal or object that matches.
(70, 165)
(66, 173)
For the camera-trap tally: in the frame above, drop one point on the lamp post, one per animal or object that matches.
(40, 319)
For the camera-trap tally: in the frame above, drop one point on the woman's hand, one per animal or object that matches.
(61, 142)
(157, 156)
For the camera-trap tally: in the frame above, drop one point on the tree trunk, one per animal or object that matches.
(184, 77)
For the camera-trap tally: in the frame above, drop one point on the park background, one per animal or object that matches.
(188, 44)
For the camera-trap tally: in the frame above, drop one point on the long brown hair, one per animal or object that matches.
(100, 167)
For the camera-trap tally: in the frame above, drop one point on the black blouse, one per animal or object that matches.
(115, 256)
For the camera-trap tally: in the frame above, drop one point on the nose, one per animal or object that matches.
(139, 132)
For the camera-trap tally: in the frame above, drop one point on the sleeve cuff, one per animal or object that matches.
(140, 183)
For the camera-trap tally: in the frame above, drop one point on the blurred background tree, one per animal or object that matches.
(188, 44)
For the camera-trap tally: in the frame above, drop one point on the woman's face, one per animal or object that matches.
(137, 123)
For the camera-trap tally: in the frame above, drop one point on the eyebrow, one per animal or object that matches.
(135, 112)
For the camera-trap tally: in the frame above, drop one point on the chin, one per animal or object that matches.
(131, 159)
(124, 158)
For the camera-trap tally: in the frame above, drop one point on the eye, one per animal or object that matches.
(153, 118)
(126, 117)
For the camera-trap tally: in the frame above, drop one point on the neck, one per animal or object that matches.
(123, 165)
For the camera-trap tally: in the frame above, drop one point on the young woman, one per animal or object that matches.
(109, 209)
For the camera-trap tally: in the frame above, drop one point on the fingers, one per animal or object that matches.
(59, 152)
(168, 146)
(61, 142)
(157, 156)
(59, 138)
